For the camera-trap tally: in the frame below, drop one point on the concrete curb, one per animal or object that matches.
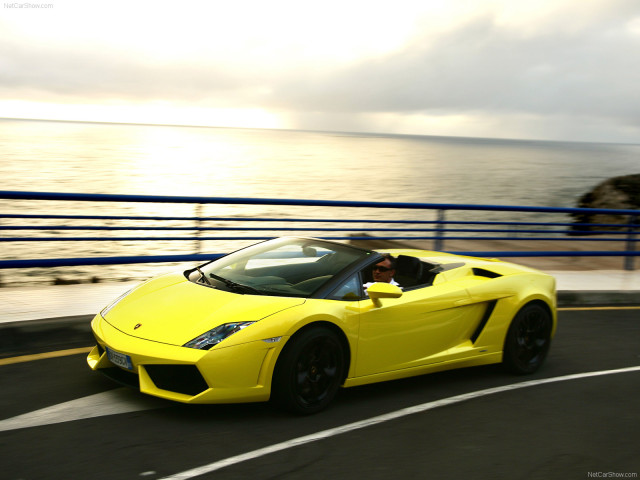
(592, 298)
(47, 335)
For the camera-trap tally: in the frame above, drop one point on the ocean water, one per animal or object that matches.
(226, 162)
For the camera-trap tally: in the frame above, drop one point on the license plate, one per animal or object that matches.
(119, 359)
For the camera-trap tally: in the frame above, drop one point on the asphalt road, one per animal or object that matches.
(573, 427)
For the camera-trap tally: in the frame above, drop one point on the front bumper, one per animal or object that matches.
(240, 373)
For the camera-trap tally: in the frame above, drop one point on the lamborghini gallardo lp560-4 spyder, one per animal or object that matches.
(290, 320)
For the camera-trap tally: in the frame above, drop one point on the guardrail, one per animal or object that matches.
(441, 230)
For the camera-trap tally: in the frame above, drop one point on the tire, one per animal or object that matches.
(309, 371)
(528, 339)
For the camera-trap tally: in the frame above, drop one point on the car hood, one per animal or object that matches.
(171, 309)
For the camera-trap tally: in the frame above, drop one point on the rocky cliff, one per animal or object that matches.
(618, 192)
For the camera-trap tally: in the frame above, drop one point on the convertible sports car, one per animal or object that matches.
(289, 320)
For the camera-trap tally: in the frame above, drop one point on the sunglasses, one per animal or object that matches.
(378, 268)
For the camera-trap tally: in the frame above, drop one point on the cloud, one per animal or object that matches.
(540, 83)
(492, 62)
(85, 73)
(483, 67)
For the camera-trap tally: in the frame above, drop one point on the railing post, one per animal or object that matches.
(198, 225)
(438, 244)
(629, 261)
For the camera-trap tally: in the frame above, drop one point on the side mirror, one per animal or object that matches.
(383, 290)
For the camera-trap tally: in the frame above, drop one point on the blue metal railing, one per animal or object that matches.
(442, 229)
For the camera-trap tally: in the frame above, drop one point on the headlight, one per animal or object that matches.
(108, 308)
(216, 335)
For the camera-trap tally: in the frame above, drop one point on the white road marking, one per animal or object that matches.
(111, 402)
(124, 400)
(314, 437)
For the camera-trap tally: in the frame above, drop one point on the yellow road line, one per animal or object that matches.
(577, 309)
(41, 356)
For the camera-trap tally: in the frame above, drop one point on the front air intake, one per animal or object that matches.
(185, 379)
(127, 379)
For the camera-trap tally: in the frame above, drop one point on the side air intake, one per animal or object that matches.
(483, 322)
(481, 272)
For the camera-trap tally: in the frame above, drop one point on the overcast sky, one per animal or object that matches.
(558, 69)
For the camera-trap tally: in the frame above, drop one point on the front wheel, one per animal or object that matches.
(309, 371)
(528, 339)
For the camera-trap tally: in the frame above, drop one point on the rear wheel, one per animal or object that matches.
(528, 339)
(309, 371)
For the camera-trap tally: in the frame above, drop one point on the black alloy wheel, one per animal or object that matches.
(528, 339)
(309, 371)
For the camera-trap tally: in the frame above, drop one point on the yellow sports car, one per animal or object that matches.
(295, 319)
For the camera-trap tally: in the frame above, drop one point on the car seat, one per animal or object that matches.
(410, 271)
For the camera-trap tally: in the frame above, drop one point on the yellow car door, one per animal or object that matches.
(416, 329)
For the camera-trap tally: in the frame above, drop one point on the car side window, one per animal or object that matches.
(349, 290)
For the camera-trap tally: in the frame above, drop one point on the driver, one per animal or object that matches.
(383, 271)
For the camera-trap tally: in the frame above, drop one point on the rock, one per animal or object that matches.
(65, 281)
(616, 193)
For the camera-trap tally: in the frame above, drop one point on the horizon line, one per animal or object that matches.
(182, 125)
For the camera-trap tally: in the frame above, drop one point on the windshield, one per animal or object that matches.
(291, 267)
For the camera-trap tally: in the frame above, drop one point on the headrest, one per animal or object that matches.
(406, 265)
